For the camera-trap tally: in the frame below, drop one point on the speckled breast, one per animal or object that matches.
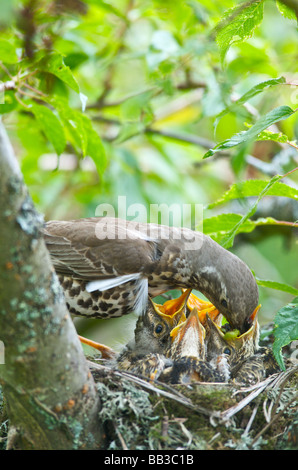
(111, 303)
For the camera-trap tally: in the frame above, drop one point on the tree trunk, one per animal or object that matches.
(52, 402)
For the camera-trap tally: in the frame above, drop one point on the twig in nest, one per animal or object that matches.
(274, 419)
(257, 389)
(165, 426)
(119, 435)
(251, 420)
(158, 388)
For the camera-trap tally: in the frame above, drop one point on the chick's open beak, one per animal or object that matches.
(204, 307)
(173, 310)
(188, 336)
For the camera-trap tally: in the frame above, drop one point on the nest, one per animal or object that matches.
(140, 414)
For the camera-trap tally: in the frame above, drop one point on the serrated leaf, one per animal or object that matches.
(227, 242)
(286, 11)
(254, 188)
(51, 126)
(285, 329)
(277, 114)
(254, 91)
(238, 24)
(220, 225)
(274, 136)
(267, 189)
(53, 63)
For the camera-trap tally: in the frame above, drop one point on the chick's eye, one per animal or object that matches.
(227, 351)
(224, 303)
(158, 328)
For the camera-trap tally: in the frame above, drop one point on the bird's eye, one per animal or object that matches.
(224, 303)
(158, 328)
(227, 351)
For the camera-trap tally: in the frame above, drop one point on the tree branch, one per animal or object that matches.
(51, 397)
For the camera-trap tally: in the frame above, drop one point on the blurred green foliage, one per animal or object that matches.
(127, 97)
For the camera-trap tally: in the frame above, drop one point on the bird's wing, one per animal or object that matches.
(80, 248)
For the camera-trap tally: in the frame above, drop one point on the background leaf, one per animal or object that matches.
(254, 188)
(8, 53)
(277, 114)
(238, 24)
(53, 63)
(277, 285)
(228, 240)
(254, 91)
(51, 126)
(286, 329)
(218, 226)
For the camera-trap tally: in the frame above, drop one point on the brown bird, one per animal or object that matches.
(108, 267)
(239, 356)
(188, 354)
(231, 343)
(153, 327)
(255, 368)
(169, 353)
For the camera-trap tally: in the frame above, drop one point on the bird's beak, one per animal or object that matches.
(234, 337)
(189, 333)
(253, 321)
(173, 310)
(253, 317)
(204, 307)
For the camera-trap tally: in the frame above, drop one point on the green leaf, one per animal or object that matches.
(254, 188)
(267, 188)
(8, 53)
(81, 133)
(51, 126)
(238, 24)
(277, 286)
(255, 90)
(53, 63)
(74, 126)
(220, 225)
(10, 102)
(228, 241)
(285, 329)
(274, 136)
(277, 114)
(286, 11)
(95, 148)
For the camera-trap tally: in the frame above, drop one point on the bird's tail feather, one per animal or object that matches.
(106, 284)
(141, 297)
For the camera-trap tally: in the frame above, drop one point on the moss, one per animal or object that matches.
(3, 422)
(127, 415)
(29, 220)
(164, 423)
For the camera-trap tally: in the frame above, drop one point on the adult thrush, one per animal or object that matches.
(108, 266)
